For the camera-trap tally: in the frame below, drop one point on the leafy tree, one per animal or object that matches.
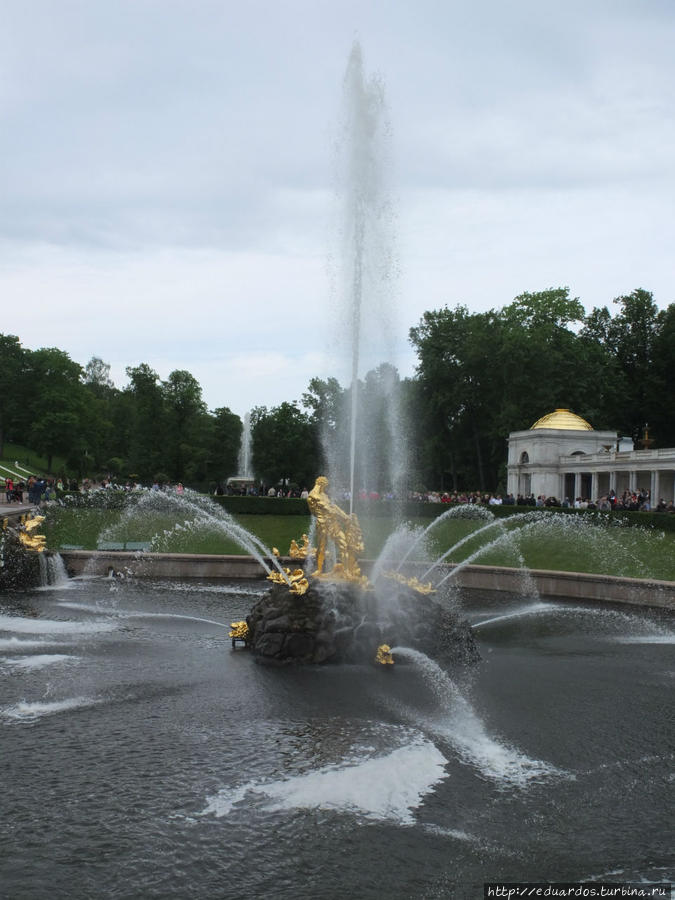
(97, 375)
(12, 360)
(381, 431)
(632, 335)
(57, 405)
(544, 309)
(458, 388)
(483, 375)
(662, 379)
(185, 414)
(544, 362)
(147, 425)
(284, 445)
(101, 438)
(329, 410)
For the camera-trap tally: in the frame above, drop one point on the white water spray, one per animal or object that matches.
(366, 289)
(463, 728)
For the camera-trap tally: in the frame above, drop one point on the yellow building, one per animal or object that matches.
(562, 455)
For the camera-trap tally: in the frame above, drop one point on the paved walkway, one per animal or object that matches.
(15, 509)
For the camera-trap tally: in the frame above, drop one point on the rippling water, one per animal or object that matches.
(143, 757)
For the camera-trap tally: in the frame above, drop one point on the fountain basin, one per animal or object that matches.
(558, 585)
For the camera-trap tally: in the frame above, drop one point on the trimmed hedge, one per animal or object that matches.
(262, 506)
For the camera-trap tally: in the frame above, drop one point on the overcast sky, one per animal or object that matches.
(167, 170)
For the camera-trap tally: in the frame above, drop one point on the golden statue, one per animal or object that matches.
(384, 656)
(32, 541)
(334, 524)
(296, 580)
(239, 630)
(412, 582)
(300, 551)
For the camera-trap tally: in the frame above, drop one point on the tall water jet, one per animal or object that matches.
(365, 285)
(244, 469)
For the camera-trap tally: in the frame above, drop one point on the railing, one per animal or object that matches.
(580, 461)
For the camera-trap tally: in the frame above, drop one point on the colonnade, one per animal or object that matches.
(659, 482)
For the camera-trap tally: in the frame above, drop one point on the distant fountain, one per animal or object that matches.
(244, 470)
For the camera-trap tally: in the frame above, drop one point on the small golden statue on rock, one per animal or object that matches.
(302, 550)
(384, 655)
(334, 524)
(239, 630)
(296, 580)
(32, 541)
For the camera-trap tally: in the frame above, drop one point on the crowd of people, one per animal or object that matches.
(34, 490)
(629, 500)
(37, 489)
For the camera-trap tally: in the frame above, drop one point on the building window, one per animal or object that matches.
(524, 458)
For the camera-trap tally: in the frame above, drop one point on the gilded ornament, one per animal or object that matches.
(296, 580)
(302, 550)
(239, 630)
(31, 541)
(414, 583)
(384, 655)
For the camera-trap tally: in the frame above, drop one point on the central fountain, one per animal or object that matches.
(335, 614)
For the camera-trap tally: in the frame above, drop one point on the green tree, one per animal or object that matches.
(12, 361)
(97, 375)
(632, 336)
(483, 375)
(458, 390)
(185, 425)
(546, 361)
(382, 461)
(662, 380)
(284, 445)
(328, 404)
(57, 405)
(99, 429)
(147, 422)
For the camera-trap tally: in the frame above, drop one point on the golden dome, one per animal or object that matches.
(563, 420)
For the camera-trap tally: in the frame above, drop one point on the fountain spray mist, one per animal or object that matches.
(245, 470)
(366, 284)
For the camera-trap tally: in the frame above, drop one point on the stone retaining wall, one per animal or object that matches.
(554, 585)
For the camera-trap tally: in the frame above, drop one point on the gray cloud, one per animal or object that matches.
(167, 175)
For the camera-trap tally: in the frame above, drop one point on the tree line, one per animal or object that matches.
(483, 375)
(148, 429)
(478, 377)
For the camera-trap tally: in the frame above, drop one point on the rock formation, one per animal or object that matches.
(341, 622)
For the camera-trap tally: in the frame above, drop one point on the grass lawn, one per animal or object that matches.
(564, 544)
(28, 459)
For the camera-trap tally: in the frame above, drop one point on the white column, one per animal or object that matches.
(654, 489)
(594, 486)
(577, 486)
(612, 480)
